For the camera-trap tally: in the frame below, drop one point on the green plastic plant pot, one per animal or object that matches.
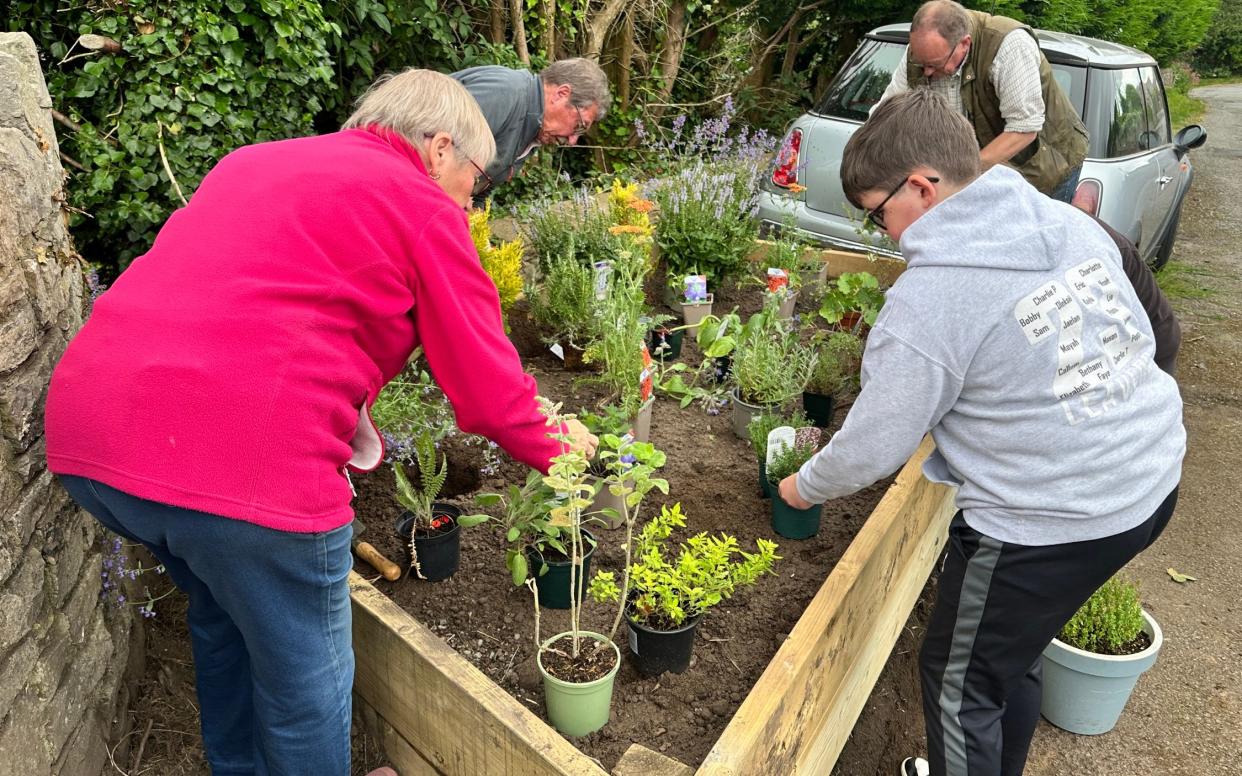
(579, 709)
(794, 523)
(554, 584)
(765, 487)
(665, 344)
(1085, 693)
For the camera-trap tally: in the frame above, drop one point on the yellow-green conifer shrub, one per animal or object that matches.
(502, 262)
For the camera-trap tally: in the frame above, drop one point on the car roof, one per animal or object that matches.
(1060, 47)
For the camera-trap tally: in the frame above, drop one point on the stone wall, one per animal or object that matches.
(64, 653)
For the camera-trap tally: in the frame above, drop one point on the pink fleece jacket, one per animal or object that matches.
(226, 368)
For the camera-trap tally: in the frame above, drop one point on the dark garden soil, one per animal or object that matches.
(714, 475)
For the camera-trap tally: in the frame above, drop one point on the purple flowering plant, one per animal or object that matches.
(119, 568)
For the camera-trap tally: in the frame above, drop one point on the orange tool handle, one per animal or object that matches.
(390, 570)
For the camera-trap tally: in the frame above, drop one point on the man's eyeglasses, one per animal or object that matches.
(941, 63)
(876, 214)
(583, 125)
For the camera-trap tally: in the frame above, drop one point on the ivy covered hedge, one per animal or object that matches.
(201, 78)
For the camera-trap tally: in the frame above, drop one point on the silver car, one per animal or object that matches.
(1135, 177)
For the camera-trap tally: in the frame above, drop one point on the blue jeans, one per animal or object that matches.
(269, 621)
(1064, 192)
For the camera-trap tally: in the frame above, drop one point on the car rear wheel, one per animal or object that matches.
(1170, 236)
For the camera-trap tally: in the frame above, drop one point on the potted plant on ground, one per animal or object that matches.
(666, 598)
(1091, 668)
(430, 529)
(564, 304)
(695, 301)
(836, 371)
(578, 666)
(786, 520)
(770, 367)
(852, 301)
(758, 429)
(787, 266)
(537, 546)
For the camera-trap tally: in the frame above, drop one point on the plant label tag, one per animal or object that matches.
(602, 270)
(646, 383)
(808, 436)
(558, 351)
(778, 279)
(778, 439)
(696, 288)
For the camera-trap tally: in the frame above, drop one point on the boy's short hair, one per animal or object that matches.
(911, 130)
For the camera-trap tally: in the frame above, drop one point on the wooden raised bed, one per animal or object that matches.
(436, 714)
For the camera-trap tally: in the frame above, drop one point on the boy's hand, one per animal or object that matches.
(789, 493)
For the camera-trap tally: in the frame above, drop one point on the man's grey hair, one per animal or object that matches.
(945, 17)
(912, 130)
(585, 78)
(416, 103)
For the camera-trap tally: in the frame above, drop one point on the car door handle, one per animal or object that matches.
(1164, 180)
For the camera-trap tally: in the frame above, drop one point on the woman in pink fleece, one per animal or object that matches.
(213, 403)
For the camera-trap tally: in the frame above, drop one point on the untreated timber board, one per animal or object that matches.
(799, 714)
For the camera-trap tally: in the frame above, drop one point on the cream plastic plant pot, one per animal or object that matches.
(1084, 692)
(743, 412)
(579, 709)
(694, 312)
(642, 422)
(786, 309)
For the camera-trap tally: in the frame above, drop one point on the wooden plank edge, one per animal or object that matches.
(885, 268)
(444, 741)
(401, 754)
(757, 727)
(638, 760)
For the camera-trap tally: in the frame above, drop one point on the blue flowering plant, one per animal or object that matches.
(707, 205)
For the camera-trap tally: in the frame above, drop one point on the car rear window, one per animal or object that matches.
(862, 81)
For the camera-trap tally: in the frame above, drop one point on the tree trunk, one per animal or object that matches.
(549, 30)
(625, 60)
(497, 13)
(670, 57)
(791, 54)
(519, 31)
(597, 27)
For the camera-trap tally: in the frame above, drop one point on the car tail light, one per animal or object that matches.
(786, 173)
(1087, 196)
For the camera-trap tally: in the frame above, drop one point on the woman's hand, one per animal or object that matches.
(580, 438)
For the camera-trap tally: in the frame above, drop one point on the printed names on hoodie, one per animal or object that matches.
(1085, 387)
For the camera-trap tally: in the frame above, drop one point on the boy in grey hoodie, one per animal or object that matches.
(1015, 339)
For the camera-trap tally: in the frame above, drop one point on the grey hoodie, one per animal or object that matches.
(512, 103)
(1015, 338)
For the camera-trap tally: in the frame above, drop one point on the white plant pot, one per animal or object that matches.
(1084, 692)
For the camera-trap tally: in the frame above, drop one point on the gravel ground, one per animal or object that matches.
(1185, 717)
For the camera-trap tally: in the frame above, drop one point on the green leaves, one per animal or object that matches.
(1110, 619)
(853, 292)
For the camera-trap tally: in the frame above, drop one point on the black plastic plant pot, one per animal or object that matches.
(664, 344)
(818, 408)
(554, 584)
(657, 651)
(438, 553)
(765, 487)
(794, 523)
(720, 371)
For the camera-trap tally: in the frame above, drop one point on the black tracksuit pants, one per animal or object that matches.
(998, 606)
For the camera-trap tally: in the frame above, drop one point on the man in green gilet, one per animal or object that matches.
(990, 69)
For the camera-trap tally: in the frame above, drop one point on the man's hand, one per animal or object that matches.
(580, 438)
(789, 493)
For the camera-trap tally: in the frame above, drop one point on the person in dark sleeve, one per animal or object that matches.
(1164, 325)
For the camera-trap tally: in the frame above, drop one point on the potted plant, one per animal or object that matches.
(667, 597)
(786, 520)
(758, 429)
(788, 265)
(695, 301)
(836, 371)
(578, 667)
(770, 367)
(564, 304)
(1091, 667)
(620, 345)
(430, 529)
(853, 301)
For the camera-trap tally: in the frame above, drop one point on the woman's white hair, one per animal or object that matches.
(417, 103)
